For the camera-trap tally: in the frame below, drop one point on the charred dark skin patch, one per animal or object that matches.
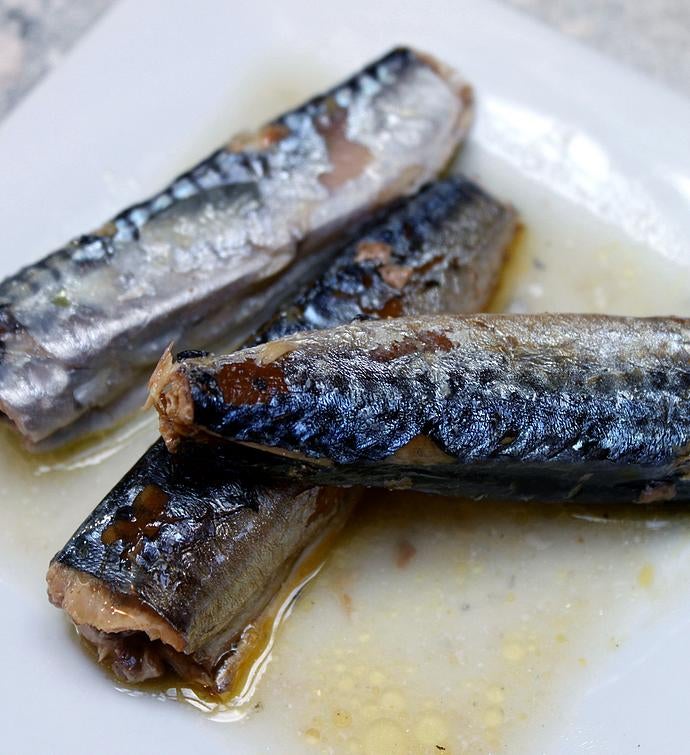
(249, 382)
(190, 354)
(143, 519)
(427, 341)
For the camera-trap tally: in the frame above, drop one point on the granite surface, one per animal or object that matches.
(34, 36)
(650, 35)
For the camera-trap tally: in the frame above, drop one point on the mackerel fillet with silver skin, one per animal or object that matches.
(81, 329)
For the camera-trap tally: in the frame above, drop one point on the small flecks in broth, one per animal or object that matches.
(441, 623)
(405, 552)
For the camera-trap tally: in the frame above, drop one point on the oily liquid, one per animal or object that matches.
(448, 625)
(435, 625)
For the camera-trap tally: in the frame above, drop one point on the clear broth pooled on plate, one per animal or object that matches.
(434, 625)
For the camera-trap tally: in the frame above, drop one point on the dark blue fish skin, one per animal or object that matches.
(213, 543)
(556, 406)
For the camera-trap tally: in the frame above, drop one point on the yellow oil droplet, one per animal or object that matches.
(493, 717)
(312, 736)
(392, 701)
(510, 597)
(431, 730)
(561, 638)
(514, 652)
(582, 662)
(384, 736)
(340, 667)
(645, 577)
(364, 637)
(342, 719)
(346, 684)
(495, 695)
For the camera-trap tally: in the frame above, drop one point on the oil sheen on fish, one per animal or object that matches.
(84, 326)
(589, 408)
(179, 563)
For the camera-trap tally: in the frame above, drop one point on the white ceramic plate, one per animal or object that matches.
(596, 158)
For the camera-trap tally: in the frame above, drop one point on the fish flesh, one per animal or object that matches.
(555, 407)
(81, 330)
(186, 556)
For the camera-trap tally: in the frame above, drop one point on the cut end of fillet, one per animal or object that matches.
(128, 637)
(449, 74)
(88, 602)
(169, 393)
(462, 89)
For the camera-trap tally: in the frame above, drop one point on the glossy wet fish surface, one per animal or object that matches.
(439, 251)
(570, 407)
(80, 330)
(192, 547)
